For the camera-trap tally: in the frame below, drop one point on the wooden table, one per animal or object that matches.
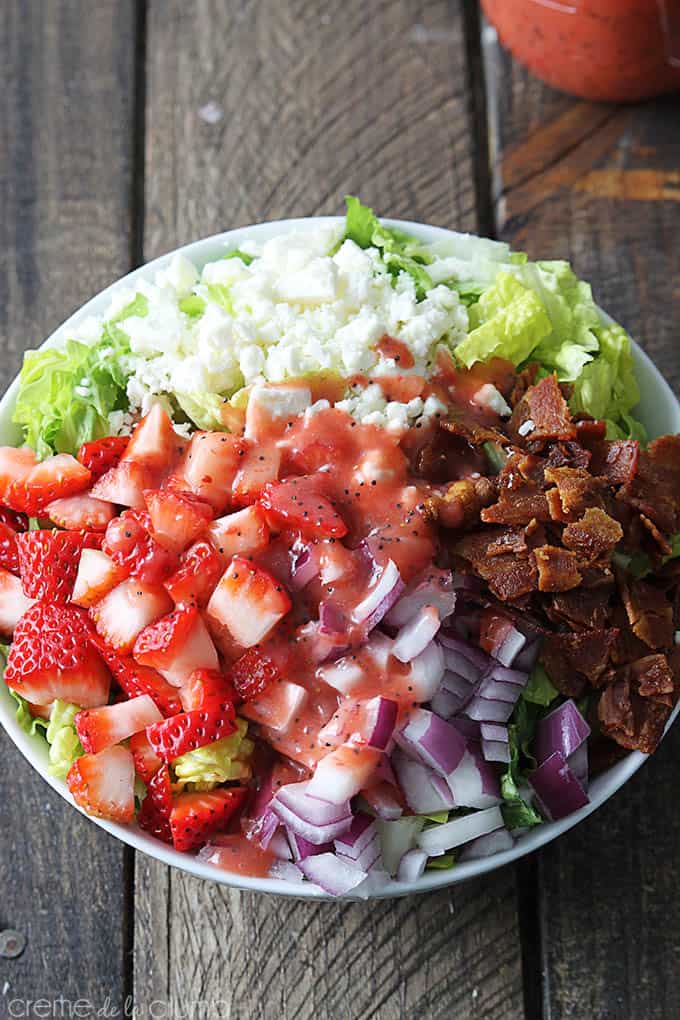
(129, 128)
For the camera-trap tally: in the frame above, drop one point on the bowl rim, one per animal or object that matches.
(34, 749)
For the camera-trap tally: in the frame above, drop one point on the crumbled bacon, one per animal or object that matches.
(649, 612)
(652, 675)
(572, 659)
(594, 536)
(634, 709)
(615, 459)
(509, 576)
(474, 432)
(545, 410)
(580, 609)
(557, 568)
(523, 381)
(569, 454)
(655, 489)
(575, 491)
(459, 505)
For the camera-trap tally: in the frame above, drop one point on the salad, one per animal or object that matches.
(342, 557)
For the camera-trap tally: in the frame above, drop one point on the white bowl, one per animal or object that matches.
(658, 409)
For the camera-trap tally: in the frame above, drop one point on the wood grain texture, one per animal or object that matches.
(309, 102)
(65, 176)
(568, 184)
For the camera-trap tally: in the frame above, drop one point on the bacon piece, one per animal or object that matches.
(664, 545)
(474, 433)
(575, 491)
(652, 675)
(542, 413)
(520, 498)
(581, 609)
(523, 381)
(616, 459)
(655, 489)
(557, 568)
(509, 576)
(511, 540)
(594, 536)
(649, 612)
(573, 659)
(460, 504)
(634, 710)
(569, 454)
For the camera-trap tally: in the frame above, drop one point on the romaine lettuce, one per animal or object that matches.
(399, 251)
(61, 735)
(219, 762)
(508, 321)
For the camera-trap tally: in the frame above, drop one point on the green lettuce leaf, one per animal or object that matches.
(29, 724)
(400, 252)
(139, 306)
(517, 812)
(242, 255)
(606, 386)
(441, 863)
(219, 294)
(193, 305)
(203, 409)
(508, 322)
(219, 762)
(61, 735)
(539, 689)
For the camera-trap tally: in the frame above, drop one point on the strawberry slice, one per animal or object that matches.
(147, 762)
(55, 478)
(297, 503)
(176, 645)
(98, 728)
(14, 520)
(101, 455)
(248, 602)
(259, 466)
(208, 467)
(81, 513)
(134, 679)
(185, 732)
(253, 673)
(205, 685)
(196, 816)
(154, 444)
(128, 542)
(154, 814)
(103, 784)
(127, 609)
(125, 484)
(15, 467)
(97, 575)
(9, 554)
(48, 562)
(51, 657)
(200, 568)
(244, 533)
(13, 602)
(177, 518)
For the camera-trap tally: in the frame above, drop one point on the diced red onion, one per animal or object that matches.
(474, 783)
(415, 635)
(495, 742)
(424, 790)
(500, 690)
(526, 658)
(301, 847)
(484, 846)
(334, 876)
(468, 727)
(459, 686)
(564, 730)
(346, 674)
(384, 773)
(485, 710)
(383, 801)
(380, 715)
(316, 820)
(479, 659)
(557, 788)
(280, 845)
(412, 865)
(358, 836)
(397, 837)
(509, 646)
(440, 838)
(369, 856)
(432, 741)
(286, 871)
(305, 568)
(381, 598)
(332, 621)
(266, 828)
(432, 588)
(445, 704)
(427, 670)
(340, 775)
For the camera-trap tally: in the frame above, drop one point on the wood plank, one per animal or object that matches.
(598, 185)
(309, 105)
(66, 74)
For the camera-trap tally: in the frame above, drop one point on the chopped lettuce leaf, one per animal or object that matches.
(508, 322)
(219, 762)
(400, 252)
(539, 689)
(61, 735)
(439, 817)
(30, 724)
(469, 291)
(242, 255)
(193, 305)
(606, 386)
(360, 222)
(139, 307)
(495, 455)
(517, 813)
(219, 295)
(441, 863)
(204, 409)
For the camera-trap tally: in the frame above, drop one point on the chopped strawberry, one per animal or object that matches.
(13, 519)
(48, 563)
(154, 814)
(124, 484)
(205, 685)
(196, 816)
(55, 478)
(51, 657)
(297, 503)
(276, 706)
(248, 602)
(244, 533)
(185, 732)
(15, 467)
(147, 762)
(154, 443)
(134, 679)
(259, 466)
(97, 575)
(199, 570)
(177, 518)
(101, 455)
(127, 609)
(98, 728)
(13, 602)
(129, 544)
(9, 554)
(176, 645)
(253, 673)
(81, 513)
(103, 784)
(208, 467)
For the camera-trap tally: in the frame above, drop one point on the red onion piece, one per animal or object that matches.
(358, 836)
(484, 846)
(380, 715)
(479, 659)
(286, 871)
(509, 646)
(334, 876)
(382, 800)
(494, 731)
(427, 671)
(316, 820)
(412, 865)
(474, 783)
(434, 587)
(496, 750)
(441, 838)
(432, 741)
(557, 788)
(500, 690)
(564, 730)
(445, 704)
(459, 686)
(368, 858)
(415, 635)
(304, 569)
(468, 727)
(485, 710)
(302, 848)
(526, 658)
(424, 790)
(280, 845)
(381, 598)
(332, 621)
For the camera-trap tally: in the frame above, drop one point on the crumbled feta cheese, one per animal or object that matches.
(180, 274)
(488, 396)
(526, 427)
(316, 408)
(434, 407)
(274, 402)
